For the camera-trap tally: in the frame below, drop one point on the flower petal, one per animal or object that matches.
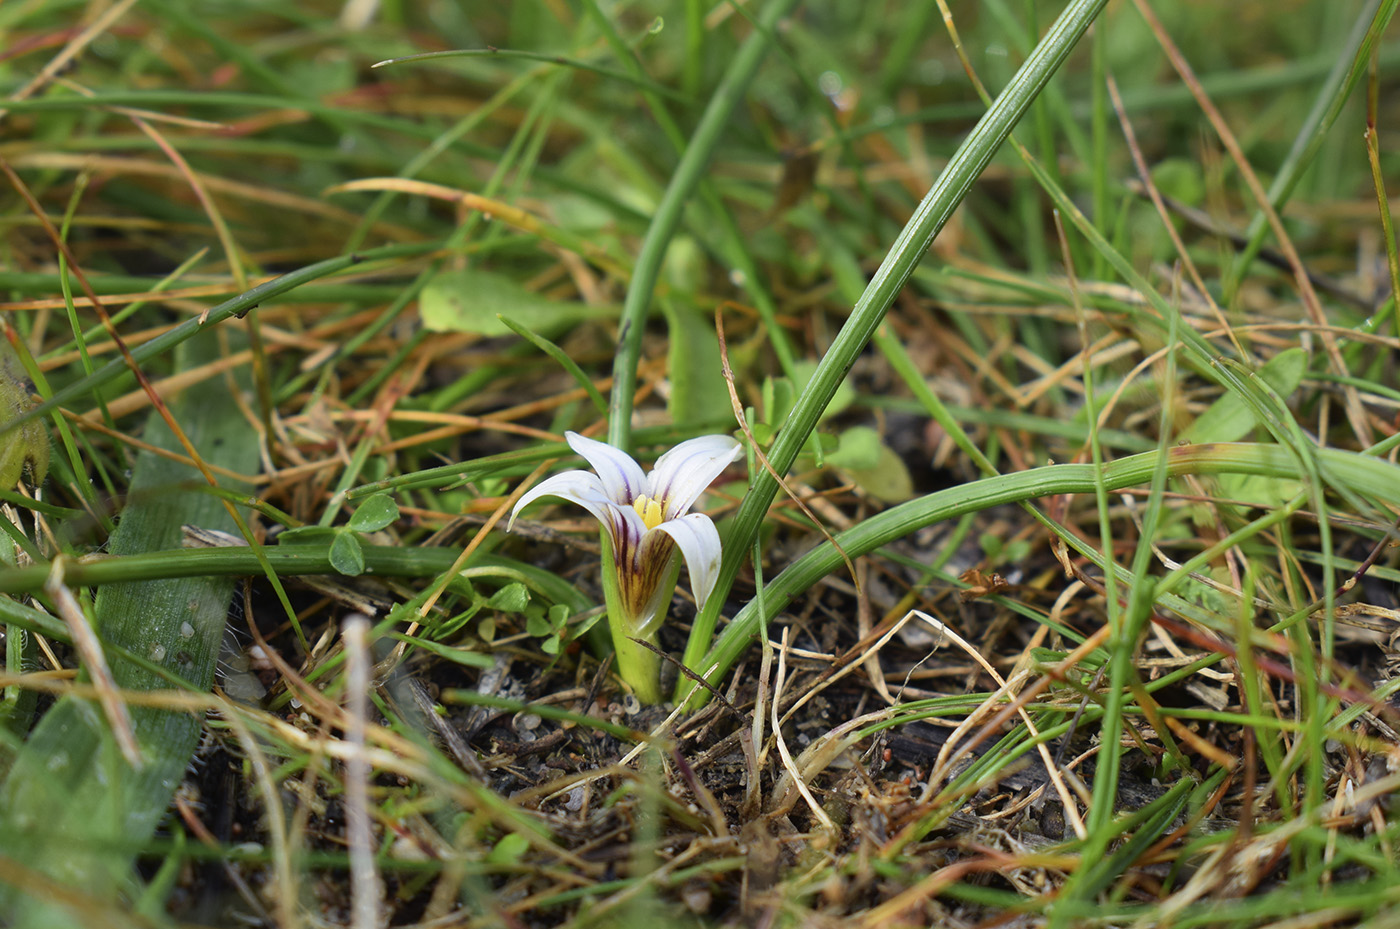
(627, 533)
(649, 591)
(682, 474)
(579, 487)
(621, 477)
(698, 540)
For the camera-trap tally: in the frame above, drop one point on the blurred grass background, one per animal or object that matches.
(189, 154)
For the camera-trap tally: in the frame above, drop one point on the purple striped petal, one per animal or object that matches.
(582, 488)
(627, 533)
(648, 589)
(682, 474)
(698, 540)
(621, 477)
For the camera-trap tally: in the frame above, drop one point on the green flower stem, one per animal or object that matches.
(908, 250)
(1344, 470)
(668, 216)
(638, 665)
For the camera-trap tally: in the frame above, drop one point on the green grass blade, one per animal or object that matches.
(668, 216)
(563, 360)
(1349, 64)
(906, 253)
(1360, 473)
(236, 306)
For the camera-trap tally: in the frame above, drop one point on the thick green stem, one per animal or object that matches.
(639, 666)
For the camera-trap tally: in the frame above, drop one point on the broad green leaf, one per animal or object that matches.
(1230, 419)
(71, 808)
(877, 469)
(859, 448)
(511, 598)
(374, 514)
(469, 300)
(698, 391)
(347, 556)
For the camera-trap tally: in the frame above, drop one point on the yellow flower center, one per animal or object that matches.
(649, 510)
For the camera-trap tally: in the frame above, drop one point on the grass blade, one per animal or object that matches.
(906, 253)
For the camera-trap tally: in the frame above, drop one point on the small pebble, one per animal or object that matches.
(697, 897)
(529, 722)
(575, 801)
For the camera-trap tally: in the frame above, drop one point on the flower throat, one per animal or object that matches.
(649, 510)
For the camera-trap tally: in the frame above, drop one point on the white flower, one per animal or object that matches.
(646, 517)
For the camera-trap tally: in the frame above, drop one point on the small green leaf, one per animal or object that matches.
(1181, 179)
(578, 631)
(1018, 551)
(1265, 492)
(511, 598)
(346, 555)
(551, 623)
(444, 630)
(698, 391)
(845, 394)
(778, 397)
(1229, 419)
(550, 646)
(469, 300)
(509, 849)
(859, 448)
(375, 513)
(762, 433)
(873, 466)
